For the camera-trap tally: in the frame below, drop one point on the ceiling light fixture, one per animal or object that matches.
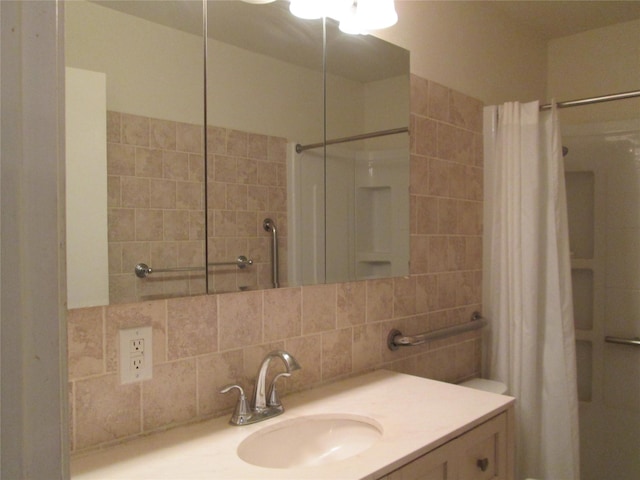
(376, 14)
(349, 22)
(307, 9)
(354, 16)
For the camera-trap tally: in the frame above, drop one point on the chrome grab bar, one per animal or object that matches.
(142, 270)
(270, 226)
(395, 339)
(623, 341)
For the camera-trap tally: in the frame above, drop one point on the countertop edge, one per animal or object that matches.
(383, 395)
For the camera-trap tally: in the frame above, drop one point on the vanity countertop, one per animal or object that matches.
(416, 416)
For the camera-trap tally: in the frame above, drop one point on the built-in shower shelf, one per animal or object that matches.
(582, 263)
(373, 267)
(374, 256)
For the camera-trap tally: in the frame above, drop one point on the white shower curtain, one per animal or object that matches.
(527, 286)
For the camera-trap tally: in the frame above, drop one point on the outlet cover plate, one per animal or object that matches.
(136, 354)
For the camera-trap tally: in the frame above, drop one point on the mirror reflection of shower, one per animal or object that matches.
(350, 212)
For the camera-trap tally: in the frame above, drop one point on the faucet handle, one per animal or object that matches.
(242, 413)
(273, 399)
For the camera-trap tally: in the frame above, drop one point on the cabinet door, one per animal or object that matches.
(435, 465)
(483, 451)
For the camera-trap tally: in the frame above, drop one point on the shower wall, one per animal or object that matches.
(366, 232)
(603, 189)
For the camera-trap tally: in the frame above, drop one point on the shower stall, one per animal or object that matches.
(349, 214)
(602, 170)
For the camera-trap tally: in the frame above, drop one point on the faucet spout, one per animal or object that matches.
(262, 406)
(259, 397)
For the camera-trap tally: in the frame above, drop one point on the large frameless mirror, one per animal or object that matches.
(143, 203)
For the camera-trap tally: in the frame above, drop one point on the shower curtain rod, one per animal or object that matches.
(381, 133)
(592, 100)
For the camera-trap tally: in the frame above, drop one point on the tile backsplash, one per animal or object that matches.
(201, 343)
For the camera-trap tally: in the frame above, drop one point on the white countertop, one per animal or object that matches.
(416, 416)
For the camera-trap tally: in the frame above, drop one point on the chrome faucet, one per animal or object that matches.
(262, 405)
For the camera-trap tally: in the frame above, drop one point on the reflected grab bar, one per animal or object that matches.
(353, 138)
(623, 341)
(395, 339)
(270, 226)
(143, 270)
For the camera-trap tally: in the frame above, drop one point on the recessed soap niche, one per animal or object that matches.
(584, 356)
(580, 207)
(580, 187)
(373, 217)
(582, 283)
(373, 235)
(381, 200)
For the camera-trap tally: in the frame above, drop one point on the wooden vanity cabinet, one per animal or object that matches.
(484, 452)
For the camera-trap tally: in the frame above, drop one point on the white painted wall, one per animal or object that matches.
(86, 188)
(260, 94)
(598, 62)
(386, 104)
(158, 72)
(471, 47)
(153, 70)
(34, 424)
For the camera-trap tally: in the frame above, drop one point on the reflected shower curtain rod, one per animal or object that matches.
(592, 100)
(394, 131)
(364, 136)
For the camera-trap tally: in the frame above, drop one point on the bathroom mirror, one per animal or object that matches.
(135, 189)
(264, 91)
(360, 228)
(367, 212)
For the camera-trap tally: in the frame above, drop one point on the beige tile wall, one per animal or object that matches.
(204, 342)
(247, 182)
(156, 205)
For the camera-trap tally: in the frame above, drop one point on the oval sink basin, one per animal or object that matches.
(308, 441)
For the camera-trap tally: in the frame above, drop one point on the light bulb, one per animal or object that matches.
(337, 9)
(307, 9)
(376, 14)
(349, 22)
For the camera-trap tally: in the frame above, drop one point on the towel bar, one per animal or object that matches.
(143, 270)
(623, 341)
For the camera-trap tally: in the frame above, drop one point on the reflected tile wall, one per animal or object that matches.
(202, 343)
(156, 205)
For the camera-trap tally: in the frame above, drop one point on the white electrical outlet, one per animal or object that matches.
(136, 354)
(137, 345)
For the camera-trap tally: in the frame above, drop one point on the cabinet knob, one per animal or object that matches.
(483, 464)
